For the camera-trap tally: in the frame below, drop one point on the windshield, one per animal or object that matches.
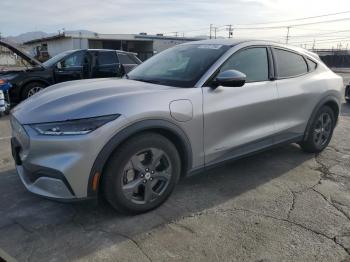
(52, 61)
(180, 66)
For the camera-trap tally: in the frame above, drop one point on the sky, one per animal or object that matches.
(188, 18)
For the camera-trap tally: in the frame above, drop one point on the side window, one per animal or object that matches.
(73, 60)
(106, 58)
(253, 62)
(125, 59)
(312, 65)
(289, 64)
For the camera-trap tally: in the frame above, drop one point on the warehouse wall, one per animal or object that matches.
(160, 45)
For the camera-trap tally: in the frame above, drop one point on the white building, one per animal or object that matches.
(142, 44)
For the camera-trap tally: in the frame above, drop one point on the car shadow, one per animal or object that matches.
(77, 230)
(345, 109)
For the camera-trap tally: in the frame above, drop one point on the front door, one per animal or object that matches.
(239, 120)
(70, 68)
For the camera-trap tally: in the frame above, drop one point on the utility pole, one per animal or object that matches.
(230, 31)
(287, 36)
(176, 34)
(313, 45)
(215, 29)
(210, 30)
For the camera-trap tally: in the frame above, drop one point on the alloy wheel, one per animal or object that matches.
(146, 176)
(34, 90)
(323, 129)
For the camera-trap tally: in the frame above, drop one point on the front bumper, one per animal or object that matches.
(45, 186)
(58, 167)
(40, 180)
(4, 105)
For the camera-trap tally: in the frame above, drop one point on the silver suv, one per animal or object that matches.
(187, 108)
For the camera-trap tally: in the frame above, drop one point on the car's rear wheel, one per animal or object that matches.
(321, 131)
(142, 173)
(31, 89)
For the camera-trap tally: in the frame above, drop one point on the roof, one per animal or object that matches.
(114, 50)
(96, 36)
(231, 41)
(235, 41)
(48, 38)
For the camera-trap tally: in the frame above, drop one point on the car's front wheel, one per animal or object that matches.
(320, 132)
(142, 173)
(31, 89)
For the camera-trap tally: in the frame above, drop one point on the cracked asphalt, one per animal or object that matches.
(279, 205)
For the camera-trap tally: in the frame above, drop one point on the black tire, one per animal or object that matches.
(319, 136)
(28, 89)
(115, 180)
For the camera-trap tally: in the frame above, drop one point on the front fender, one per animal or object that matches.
(131, 130)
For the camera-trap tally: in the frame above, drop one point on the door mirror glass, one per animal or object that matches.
(59, 65)
(231, 78)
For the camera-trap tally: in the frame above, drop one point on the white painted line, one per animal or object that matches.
(5, 138)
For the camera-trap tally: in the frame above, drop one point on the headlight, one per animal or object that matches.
(73, 127)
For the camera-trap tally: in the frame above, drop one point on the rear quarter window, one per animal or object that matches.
(289, 64)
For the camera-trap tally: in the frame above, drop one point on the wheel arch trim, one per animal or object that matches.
(33, 80)
(324, 101)
(131, 130)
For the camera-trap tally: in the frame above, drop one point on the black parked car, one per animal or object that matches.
(66, 66)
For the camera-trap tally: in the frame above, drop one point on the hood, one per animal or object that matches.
(23, 55)
(83, 99)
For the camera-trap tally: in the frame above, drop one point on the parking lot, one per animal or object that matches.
(281, 204)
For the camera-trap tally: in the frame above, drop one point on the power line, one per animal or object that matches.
(258, 27)
(293, 25)
(344, 40)
(322, 40)
(296, 19)
(323, 34)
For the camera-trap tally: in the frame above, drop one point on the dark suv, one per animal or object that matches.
(66, 66)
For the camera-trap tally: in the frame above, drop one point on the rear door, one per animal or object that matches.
(295, 97)
(106, 64)
(239, 120)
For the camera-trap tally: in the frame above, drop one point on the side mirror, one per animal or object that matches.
(232, 78)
